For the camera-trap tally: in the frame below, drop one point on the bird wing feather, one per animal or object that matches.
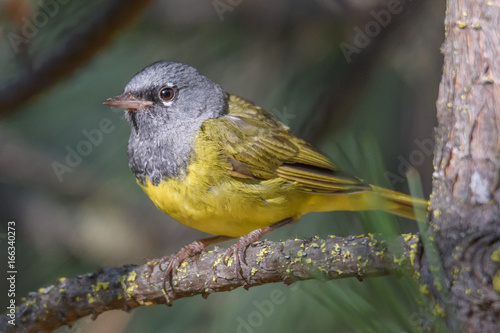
(258, 146)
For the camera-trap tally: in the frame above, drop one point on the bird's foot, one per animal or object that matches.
(174, 261)
(238, 252)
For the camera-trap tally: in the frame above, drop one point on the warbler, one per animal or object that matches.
(220, 164)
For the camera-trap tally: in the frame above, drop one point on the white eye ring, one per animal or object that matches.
(168, 93)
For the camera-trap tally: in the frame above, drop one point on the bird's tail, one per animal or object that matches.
(377, 198)
(401, 204)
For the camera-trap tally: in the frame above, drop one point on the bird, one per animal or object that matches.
(218, 163)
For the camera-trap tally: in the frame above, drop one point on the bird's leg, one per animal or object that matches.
(185, 252)
(238, 250)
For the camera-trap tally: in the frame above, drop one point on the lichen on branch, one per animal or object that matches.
(128, 287)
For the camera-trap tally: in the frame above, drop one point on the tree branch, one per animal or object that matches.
(71, 53)
(129, 287)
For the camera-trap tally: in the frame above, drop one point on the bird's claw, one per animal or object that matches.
(238, 252)
(174, 261)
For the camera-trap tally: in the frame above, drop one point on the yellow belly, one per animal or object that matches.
(210, 199)
(223, 205)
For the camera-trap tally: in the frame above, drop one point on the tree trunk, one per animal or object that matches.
(465, 216)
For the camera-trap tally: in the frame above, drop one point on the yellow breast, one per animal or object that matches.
(209, 199)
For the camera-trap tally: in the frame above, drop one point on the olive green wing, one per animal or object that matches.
(257, 146)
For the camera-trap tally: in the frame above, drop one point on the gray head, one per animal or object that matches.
(166, 103)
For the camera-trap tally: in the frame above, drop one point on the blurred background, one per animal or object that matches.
(359, 79)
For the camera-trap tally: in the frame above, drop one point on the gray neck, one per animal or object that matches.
(161, 151)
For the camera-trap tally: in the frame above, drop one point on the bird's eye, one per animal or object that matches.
(167, 94)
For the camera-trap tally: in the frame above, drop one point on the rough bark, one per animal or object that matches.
(465, 212)
(129, 287)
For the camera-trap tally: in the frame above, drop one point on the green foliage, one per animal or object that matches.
(288, 60)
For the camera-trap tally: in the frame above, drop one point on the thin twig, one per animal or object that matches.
(71, 53)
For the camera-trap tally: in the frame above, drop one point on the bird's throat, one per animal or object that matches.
(161, 153)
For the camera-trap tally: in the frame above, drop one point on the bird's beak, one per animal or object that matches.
(127, 102)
